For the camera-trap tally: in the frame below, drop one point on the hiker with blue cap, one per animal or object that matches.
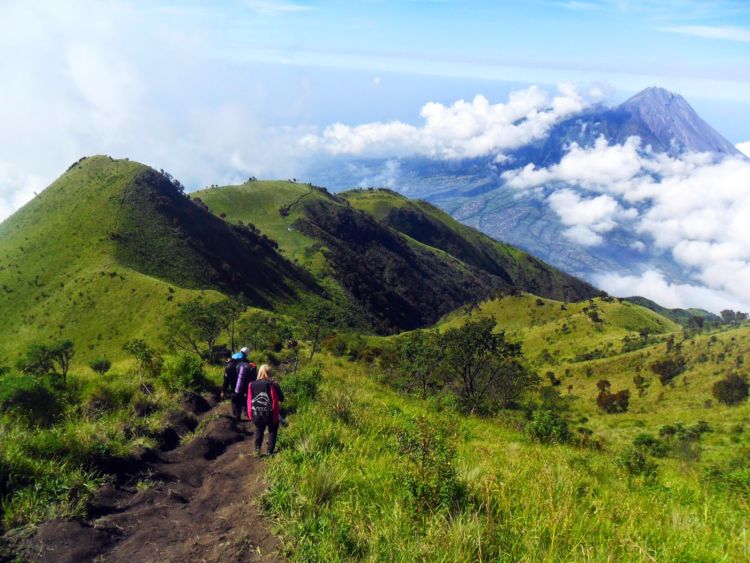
(238, 374)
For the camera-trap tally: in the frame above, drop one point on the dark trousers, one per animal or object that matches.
(260, 427)
(239, 405)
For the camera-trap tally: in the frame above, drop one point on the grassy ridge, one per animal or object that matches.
(431, 226)
(556, 339)
(111, 248)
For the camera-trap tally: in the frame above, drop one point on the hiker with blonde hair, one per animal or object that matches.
(264, 397)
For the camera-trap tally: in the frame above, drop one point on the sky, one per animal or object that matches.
(216, 92)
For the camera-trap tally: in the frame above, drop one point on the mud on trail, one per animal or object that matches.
(196, 502)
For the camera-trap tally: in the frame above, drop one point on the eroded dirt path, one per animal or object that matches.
(197, 502)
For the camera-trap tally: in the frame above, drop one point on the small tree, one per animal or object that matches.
(612, 403)
(198, 323)
(42, 359)
(262, 331)
(731, 390)
(484, 367)
(420, 354)
(148, 360)
(100, 366)
(316, 319)
(669, 368)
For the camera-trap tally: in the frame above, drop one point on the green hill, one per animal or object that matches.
(681, 316)
(623, 343)
(429, 225)
(111, 247)
(386, 268)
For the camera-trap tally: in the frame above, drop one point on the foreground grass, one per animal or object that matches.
(340, 491)
(51, 468)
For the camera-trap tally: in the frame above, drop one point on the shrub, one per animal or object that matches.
(100, 366)
(428, 467)
(612, 403)
(731, 390)
(548, 427)
(184, 372)
(31, 401)
(300, 388)
(669, 368)
(636, 463)
(650, 444)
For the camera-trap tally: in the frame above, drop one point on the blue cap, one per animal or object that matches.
(237, 356)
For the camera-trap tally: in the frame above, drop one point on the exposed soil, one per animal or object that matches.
(197, 502)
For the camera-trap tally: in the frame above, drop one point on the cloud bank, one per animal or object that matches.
(86, 77)
(460, 130)
(694, 207)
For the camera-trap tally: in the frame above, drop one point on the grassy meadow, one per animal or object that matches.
(342, 489)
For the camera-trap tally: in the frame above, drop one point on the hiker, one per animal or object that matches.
(230, 376)
(246, 374)
(263, 406)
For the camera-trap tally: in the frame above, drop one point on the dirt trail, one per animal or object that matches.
(199, 503)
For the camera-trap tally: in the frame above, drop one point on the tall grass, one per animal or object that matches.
(340, 490)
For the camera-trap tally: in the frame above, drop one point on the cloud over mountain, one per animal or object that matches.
(694, 206)
(460, 130)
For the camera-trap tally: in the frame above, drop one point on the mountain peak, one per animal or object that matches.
(672, 124)
(654, 95)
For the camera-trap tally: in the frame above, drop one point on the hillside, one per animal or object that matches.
(681, 316)
(627, 339)
(385, 263)
(111, 247)
(429, 225)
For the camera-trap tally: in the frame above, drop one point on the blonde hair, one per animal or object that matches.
(264, 372)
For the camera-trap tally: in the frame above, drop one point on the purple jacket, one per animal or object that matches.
(246, 374)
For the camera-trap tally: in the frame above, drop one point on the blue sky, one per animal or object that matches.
(217, 91)
(701, 49)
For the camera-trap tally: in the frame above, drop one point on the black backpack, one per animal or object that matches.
(230, 375)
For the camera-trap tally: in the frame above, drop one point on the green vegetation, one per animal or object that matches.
(517, 427)
(384, 267)
(59, 441)
(110, 249)
(351, 482)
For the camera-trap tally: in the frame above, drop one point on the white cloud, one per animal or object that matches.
(586, 219)
(461, 130)
(654, 286)
(695, 206)
(600, 165)
(744, 148)
(729, 33)
(88, 77)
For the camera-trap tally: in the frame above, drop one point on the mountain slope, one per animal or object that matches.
(429, 225)
(681, 316)
(385, 266)
(112, 246)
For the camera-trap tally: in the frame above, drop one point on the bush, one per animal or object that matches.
(429, 473)
(636, 463)
(300, 388)
(650, 444)
(184, 373)
(548, 427)
(30, 400)
(669, 368)
(731, 390)
(612, 403)
(100, 366)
